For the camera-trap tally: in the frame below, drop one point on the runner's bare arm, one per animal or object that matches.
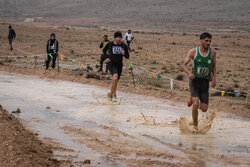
(214, 68)
(184, 66)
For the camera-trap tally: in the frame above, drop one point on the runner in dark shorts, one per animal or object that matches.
(117, 50)
(115, 69)
(200, 88)
(204, 69)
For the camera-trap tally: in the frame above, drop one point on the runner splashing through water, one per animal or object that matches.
(204, 70)
(117, 49)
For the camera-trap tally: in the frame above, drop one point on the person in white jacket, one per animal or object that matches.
(129, 37)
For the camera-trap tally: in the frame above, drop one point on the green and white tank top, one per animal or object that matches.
(202, 65)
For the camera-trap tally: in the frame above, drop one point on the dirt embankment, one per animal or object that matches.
(20, 147)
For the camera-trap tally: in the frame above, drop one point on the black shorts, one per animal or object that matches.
(115, 69)
(199, 87)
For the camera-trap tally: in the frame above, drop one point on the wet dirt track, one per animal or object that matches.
(135, 131)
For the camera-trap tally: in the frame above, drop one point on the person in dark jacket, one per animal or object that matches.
(52, 51)
(103, 56)
(116, 49)
(11, 36)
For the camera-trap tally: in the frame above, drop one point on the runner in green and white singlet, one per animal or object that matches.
(204, 70)
(202, 64)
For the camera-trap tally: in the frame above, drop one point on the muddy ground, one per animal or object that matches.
(160, 53)
(81, 124)
(20, 147)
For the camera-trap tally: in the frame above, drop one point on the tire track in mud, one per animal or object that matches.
(144, 150)
(201, 157)
(124, 147)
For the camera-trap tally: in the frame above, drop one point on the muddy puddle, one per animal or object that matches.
(135, 130)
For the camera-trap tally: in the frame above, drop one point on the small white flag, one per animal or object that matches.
(171, 84)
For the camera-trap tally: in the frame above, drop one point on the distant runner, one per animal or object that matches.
(129, 37)
(204, 69)
(52, 51)
(117, 49)
(11, 36)
(103, 56)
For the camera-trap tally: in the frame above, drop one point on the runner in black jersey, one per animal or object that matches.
(116, 49)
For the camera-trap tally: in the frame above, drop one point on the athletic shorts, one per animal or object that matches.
(115, 69)
(199, 87)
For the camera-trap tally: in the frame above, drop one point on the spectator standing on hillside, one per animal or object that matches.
(52, 51)
(11, 36)
(104, 56)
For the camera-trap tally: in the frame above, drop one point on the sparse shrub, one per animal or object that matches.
(179, 77)
(236, 86)
(247, 105)
(153, 68)
(164, 68)
(154, 62)
(89, 68)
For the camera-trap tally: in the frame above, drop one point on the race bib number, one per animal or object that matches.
(203, 71)
(117, 49)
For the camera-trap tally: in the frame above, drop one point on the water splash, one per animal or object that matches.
(204, 123)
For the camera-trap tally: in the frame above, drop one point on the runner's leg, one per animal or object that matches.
(204, 95)
(114, 84)
(119, 72)
(194, 90)
(195, 110)
(113, 71)
(190, 102)
(203, 107)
